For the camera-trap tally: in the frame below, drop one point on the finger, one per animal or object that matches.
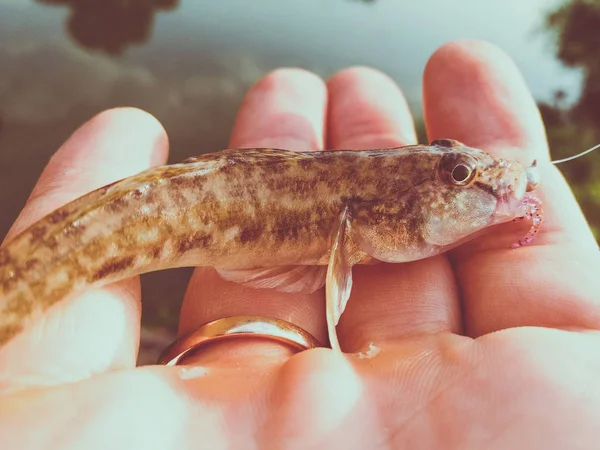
(99, 330)
(474, 93)
(388, 301)
(286, 109)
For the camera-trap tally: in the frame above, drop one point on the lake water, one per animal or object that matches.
(189, 63)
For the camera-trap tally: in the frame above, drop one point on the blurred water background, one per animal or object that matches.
(189, 62)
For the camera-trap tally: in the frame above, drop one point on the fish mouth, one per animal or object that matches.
(511, 208)
(511, 200)
(506, 210)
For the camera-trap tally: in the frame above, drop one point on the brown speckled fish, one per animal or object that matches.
(268, 218)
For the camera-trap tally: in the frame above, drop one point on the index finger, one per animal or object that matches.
(474, 93)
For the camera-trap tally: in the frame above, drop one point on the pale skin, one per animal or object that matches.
(430, 375)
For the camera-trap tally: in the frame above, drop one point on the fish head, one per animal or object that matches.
(453, 192)
(472, 190)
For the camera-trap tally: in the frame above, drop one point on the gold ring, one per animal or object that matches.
(238, 326)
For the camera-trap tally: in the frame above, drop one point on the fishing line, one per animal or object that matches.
(589, 150)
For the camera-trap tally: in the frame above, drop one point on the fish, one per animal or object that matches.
(293, 221)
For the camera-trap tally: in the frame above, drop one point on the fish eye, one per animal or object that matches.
(461, 173)
(458, 168)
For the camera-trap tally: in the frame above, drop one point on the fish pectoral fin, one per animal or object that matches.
(281, 278)
(339, 279)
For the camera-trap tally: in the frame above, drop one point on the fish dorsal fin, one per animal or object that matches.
(255, 155)
(281, 278)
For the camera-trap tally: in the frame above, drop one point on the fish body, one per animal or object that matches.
(263, 217)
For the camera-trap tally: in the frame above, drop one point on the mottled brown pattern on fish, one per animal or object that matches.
(57, 216)
(9, 330)
(116, 265)
(194, 241)
(37, 232)
(19, 308)
(236, 209)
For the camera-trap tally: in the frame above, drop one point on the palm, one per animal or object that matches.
(437, 356)
(498, 391)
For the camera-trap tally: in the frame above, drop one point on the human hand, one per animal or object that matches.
(436, 353)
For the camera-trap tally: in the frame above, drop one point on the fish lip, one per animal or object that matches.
(505, 201)
(510, 204)
(503, 213)
(513, 191)
(512, 209)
